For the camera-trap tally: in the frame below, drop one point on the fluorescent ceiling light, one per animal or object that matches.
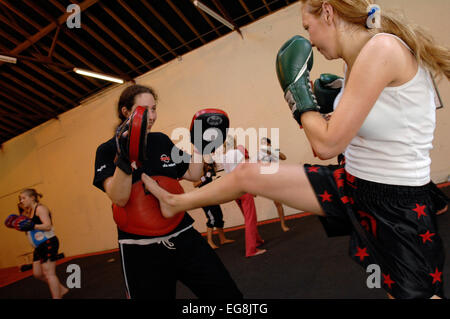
(98, 75)
(213, 14)
(8, 59)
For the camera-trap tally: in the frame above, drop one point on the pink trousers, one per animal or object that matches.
(252, 239)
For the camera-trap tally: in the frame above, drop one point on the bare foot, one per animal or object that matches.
(63, 290)
(258, 252)
(226, 241)
(168, 209)
(213, 246)
(284, 228)
(443, 210)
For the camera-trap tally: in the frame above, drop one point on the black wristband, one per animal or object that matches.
(124, 165)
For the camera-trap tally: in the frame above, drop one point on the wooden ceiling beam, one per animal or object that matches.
(243, 5)
(166, 24)
(7, 129)
(267, 6)
(8, 36)
(115, 38)
(45, 86)
(208, 20)
(42, 60)
(67, 75)
(20, 117)
(47, 29)
(25, 101)
(226, 15)
(147, 27)
(31, 89)
(185, 20)
(108, 31)
(134, 34)
(55, 39)
(98, 55)
(20, 14)
(12, 119)
(27, 35)
(32, 66)
(25, 119)
(89, 48)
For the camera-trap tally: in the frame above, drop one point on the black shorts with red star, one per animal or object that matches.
(47, 250)
(397, 228)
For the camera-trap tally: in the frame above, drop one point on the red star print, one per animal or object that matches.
(362, 253)
(346, 199)
(313, 169)
(436, 276)
(420, 210)
(337, 177)
(365, 224)
(326, 197)
(337, 173)
(426, 236)
(388, 281)
(350, 178)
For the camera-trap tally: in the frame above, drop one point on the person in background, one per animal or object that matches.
(267, 154)
(43, 239)
(213, 213)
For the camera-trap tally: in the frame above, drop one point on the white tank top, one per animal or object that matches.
(393, 145)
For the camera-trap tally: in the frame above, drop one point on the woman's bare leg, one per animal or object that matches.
(209, 233)
(223, 239)
(37, 271)
(280, 211)
(56, 288)
(289, 185)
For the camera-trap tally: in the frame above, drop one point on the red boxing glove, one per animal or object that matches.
(10, 220)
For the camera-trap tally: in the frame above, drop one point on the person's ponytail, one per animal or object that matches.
(433, 56)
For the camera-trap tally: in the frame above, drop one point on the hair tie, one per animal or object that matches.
(373, 17)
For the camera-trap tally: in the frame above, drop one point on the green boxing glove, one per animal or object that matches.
(294, 62)
(326, 88)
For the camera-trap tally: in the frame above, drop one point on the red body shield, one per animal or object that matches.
(142, 215)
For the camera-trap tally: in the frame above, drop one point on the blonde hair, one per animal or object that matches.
(32, 193)
(428, 53)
